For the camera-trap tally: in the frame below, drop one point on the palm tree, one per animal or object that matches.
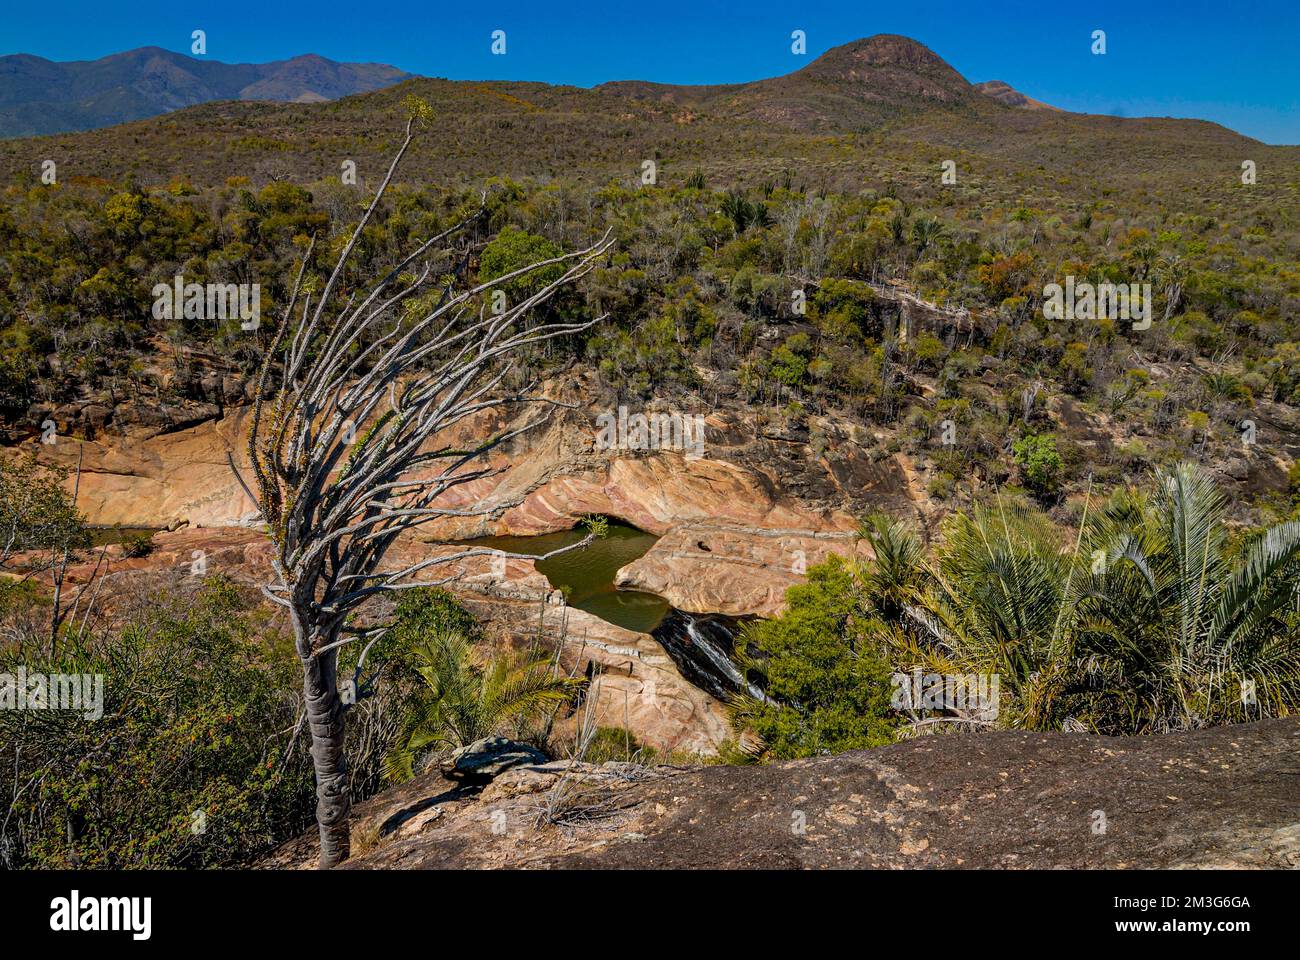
(1000, 603)
(890, 586)
(926, 231)
(1171, 273)
(744, 213)
(1143, 618)
(462, 701)
(1148, 621)
(1196, 630)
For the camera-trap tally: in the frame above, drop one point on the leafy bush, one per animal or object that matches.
(826, 690)
(36, 513)
(1039, 462)
(191, 764)
(136, 545)
(513, 249)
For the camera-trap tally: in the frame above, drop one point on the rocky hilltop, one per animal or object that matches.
(1007, 95)
(1223, 797)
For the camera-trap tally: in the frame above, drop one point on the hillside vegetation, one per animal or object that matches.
(1105, 510)
(752, 207)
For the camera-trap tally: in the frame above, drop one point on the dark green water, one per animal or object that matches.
(99, 536)
(587, 576)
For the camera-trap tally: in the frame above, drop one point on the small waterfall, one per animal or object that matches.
(702, 644)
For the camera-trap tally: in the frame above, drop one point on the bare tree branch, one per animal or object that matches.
(345, 441)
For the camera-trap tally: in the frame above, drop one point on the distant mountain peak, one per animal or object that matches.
(41, 96)
(888, 66)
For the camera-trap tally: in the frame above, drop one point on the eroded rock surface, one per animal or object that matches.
(712, 567)
(1223, 797)
(639, 685)
(739, 525)
(761, 503)
(164, 479)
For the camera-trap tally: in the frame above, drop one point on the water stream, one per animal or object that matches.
(701, 644)
(586, 577)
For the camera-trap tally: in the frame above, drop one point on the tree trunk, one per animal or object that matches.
(325, 720)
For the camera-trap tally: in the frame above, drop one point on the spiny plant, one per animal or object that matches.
(1200, 632)
(1143, 618)
(463, 698)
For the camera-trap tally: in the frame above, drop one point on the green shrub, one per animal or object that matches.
(1039, 462)
(616, 743)
(137, 544)
(186, 767)
(513, 249)
(827, 690)
(421, 613)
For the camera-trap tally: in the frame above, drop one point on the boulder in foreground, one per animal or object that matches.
(1222, 797)
(483, 760)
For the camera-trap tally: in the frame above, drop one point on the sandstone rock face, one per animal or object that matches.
(713, 568)
(636, 684)
(160, 480)
(739, 525)
(734, 536)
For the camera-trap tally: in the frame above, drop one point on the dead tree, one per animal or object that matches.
(348, 449)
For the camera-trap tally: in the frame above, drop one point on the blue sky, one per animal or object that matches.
(1235, 63)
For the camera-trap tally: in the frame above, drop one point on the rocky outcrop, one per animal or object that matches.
(637, 686)
(715, 568)
(484, 760)
(1008, 96)
(635, 682)
(159, 479)
(739, 524)
(1223, 797)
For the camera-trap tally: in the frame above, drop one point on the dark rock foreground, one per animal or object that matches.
(1223, 797)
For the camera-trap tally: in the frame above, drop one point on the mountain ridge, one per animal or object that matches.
(1006, 94)
(876, 108)
(40, 96)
